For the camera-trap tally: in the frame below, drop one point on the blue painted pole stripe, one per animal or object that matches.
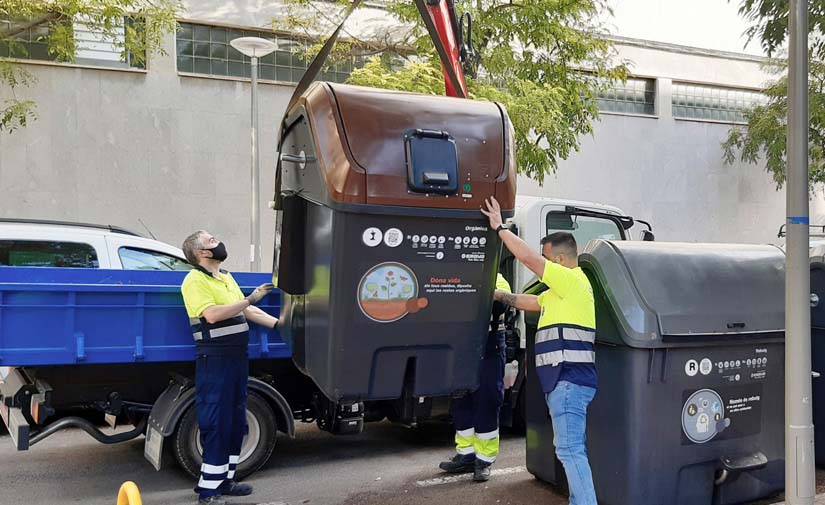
(798, 220)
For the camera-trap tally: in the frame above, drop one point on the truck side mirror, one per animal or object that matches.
(648, 236)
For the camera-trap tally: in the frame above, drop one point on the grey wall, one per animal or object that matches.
(114, 146)
(671, 173)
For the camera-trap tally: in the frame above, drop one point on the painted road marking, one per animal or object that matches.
(468, 476)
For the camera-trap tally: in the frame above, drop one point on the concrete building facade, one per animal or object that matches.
(168, 146)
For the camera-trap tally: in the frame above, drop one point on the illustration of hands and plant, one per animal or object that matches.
(384, 292)
(388, 284)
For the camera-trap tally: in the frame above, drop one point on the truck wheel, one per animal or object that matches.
(257, 445)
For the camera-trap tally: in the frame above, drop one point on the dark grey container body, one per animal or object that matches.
(653, 435)
(374, 321)
(818, 356)
(386, 263)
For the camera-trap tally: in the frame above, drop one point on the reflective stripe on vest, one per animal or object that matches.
(553, 358)
(564, 344)
(574, 334)
(204, 331)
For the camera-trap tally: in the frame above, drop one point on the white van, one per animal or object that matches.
(38, 243)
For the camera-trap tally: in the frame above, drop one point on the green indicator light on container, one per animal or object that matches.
(467, 187)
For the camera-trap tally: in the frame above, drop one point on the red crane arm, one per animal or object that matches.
(440, 20)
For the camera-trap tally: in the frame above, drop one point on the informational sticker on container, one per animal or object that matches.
(412, 271)
(393, 237)
(743, 403)
(750, 365)
(441, 285)
(706, 366)
(388, 292)
(372, 237)
(474, 256)
(721, 413)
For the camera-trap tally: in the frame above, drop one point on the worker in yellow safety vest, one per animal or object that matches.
(565, 351)
(218, 317)
(475, 415)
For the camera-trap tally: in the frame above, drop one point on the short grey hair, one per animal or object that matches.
(192, 244)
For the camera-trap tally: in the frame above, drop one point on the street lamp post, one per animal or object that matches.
(800, 479)
(254, 48)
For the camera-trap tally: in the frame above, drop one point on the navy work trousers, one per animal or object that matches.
(476, 415)
(220, 401)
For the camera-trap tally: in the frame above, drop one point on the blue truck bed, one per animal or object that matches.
(66, 316)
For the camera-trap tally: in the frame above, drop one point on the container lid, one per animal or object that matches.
(669, 292)
(361, 138)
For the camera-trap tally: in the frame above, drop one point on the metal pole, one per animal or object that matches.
(255, 246)
(800, 481)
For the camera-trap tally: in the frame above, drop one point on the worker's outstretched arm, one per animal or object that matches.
(522, 302)
(258, 316)
(217, 313)
(520, 249)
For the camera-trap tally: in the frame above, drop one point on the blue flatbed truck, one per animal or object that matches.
(117, 344)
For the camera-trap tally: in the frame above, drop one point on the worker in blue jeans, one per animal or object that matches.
(567, 404)
(565, 344)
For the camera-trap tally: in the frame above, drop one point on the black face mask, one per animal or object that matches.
(219, 252)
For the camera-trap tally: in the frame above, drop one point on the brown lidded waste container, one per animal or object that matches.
(386, 264)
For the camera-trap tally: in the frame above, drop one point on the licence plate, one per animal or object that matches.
(153, 447)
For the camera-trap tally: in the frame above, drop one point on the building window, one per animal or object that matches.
(203, 49)
(634, 96)
(36, 253)
(715, 103)
(27, 39)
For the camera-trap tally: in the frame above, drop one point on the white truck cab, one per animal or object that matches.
(816, 236)
(535, 218)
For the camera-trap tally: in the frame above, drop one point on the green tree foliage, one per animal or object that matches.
(136, 27)
(544, 60)
(769, 24)
(765, 134)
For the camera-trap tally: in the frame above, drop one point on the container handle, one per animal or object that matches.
(301, 159)
(431, 134)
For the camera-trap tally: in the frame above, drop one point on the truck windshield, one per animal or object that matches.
(584, 228)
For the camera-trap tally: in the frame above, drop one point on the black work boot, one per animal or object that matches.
(481, 472)
(461, 463)
(232, 488)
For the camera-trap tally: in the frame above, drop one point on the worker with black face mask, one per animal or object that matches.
(219, 315)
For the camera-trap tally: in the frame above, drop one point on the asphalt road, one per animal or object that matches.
(386, 464)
